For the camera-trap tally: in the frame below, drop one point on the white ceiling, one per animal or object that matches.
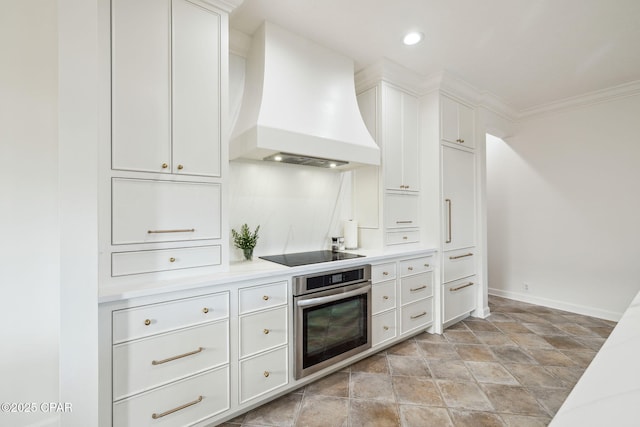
(526, 52)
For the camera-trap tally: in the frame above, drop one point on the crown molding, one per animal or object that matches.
(388, 71)
(595, 97)
(226, 5)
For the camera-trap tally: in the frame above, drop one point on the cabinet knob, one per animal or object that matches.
(426, 265)
(461, 141)
(180, 167)
(405, 238)
(410, 268)
(165, 165)
(385, 297)
(147, 322)
(406, 186)
(266, 374)
(172, 259)
(266, 332)
(386, 328)
(205, 310)
(265, 297)
(385, 273)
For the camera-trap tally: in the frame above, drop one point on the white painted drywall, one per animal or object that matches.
(29, 230)
(563, 203)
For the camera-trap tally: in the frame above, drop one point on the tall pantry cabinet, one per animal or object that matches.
(165, 149)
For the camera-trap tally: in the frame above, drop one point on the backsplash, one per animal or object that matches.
(298, 208)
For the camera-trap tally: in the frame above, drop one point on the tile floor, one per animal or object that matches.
(514, 368)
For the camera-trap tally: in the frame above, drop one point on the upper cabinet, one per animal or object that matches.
(166, 103)
(400, 139)
(457, 124)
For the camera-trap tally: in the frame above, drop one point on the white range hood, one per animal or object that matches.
(300, 104)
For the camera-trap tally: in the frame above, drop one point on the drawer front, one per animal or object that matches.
(263, 330)
(132, 323)
(126, 263)
(400, 237)
(146, 211)
(416, 265)
(261, 297)
(384, 327)
(143, 364)
(416, 287)
(459, 264)
(263, 373)
(383, 272)
(179, 404)
(383, 296)
(402, 210)
(416, 315)
(459, 297)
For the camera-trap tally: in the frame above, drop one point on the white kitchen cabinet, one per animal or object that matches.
(458, 264)
(459, 201)
(402, 211)
(400, 139)
(459, 299)
(166, 80)
(416, 294)
(384, 328)
(457, 123)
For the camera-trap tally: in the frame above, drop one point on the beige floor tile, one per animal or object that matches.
(550, 357)
(534, 376)
(475, 419)
(461, 337)
(280, 412)
(367, 413)
(323, 411)
(530, 341)
(424, 416)
(405, 348)
(418, 391)
(480, 325)
(336, 384)
(408, 366)
(496, 316)
(512, 328)
(565, 343)
(425, 336)
(513, 400)
(582, 358)
(454, 370)
(475, 353)
(507, 354)
(525, 421)
(438, 350)
(550, 399)
(494, 338)
(543, 329)
(568, 375)
(371, 386)
(463, 395)
(376, 364)
(490, 372)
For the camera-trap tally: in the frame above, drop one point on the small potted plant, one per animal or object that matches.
(245, 240)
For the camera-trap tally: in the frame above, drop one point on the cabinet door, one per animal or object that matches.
(448, 119)
(392, 137)
(465, 126)
(402, 210)
(196, 90)
(410, 158)
(140, 94)
(459, 198)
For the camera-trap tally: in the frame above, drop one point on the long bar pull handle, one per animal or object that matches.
(404, 222)
(179, 408)
(182, 230)
(424, 313)
(418, 289)
(461, 256)
(170, 359)
(448, 202)
(461, 287)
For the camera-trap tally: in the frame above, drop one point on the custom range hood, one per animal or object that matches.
(299, 105)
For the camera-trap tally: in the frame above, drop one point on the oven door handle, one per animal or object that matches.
(330, 298)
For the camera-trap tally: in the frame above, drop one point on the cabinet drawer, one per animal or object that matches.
(402, 210)
(143, 364)
(132, 323)
(179, 404)
(261, 297)
(263, 373)
(136, 262)
(459, 264)
(383, 327)
(415, 266)
(383, 296)
(459, 297)
(382, 272)
(263, 330)
(417, 314)
(416, 287)
(146, 211)
(399, 237)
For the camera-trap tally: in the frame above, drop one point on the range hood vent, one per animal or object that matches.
(299, 102)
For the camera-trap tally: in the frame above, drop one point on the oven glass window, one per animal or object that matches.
(334, 328)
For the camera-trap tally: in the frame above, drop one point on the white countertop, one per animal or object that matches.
(244, 271)
(608, 393)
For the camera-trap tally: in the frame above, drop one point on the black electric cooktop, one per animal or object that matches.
(304, 258)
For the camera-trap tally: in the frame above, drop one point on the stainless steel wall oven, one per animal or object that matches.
(332, 317)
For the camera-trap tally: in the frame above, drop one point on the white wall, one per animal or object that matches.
(298, 208)
(563, 201)
(29, 231)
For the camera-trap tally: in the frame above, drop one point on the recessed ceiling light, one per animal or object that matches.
(413, 37)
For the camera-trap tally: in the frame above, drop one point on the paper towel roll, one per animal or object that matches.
(350, 233)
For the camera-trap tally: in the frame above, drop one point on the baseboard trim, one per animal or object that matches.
(560, 305)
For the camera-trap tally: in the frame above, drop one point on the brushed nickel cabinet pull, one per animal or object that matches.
(461, 256)
(418, 289)
(179, 408)
(182, 230)
(461, 287)
(448, 202)
(180, 356)
(424, 313)
(404, 222)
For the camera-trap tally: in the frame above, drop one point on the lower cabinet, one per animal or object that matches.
(459, 298)
(263, 373)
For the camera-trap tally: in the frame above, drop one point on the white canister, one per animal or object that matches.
(350, 233)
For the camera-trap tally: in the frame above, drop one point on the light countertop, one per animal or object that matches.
(241, 271)
(608, 393)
